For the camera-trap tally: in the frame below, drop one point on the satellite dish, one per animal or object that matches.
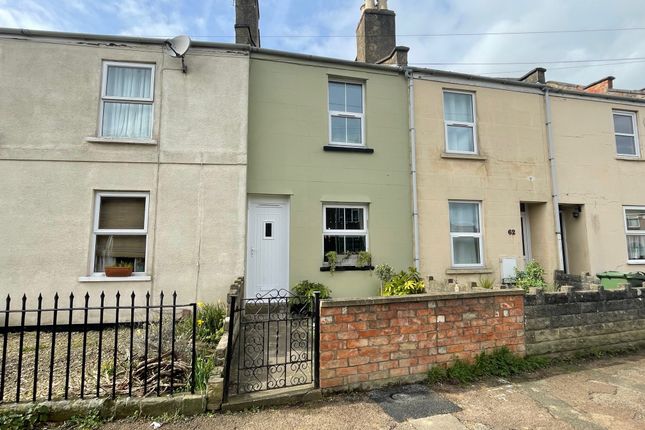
(177, 48)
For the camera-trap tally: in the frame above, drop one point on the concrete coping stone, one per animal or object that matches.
(412, 298)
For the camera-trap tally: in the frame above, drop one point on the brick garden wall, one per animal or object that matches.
(583, 321)
(371, 342)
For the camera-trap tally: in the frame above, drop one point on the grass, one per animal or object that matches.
(501, 363)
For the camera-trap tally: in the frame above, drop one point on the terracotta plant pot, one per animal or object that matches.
(118, 272)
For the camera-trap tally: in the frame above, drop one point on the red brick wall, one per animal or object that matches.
(370, 342)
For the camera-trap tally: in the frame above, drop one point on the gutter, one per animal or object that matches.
(409, 74)
(555, 193)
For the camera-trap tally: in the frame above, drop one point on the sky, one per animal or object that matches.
(304, 26)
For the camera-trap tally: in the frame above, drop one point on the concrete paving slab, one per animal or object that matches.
(437, 422)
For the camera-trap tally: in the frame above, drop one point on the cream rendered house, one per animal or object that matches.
(110, 154)
(516, 170)
(598, 135)
(484, 184)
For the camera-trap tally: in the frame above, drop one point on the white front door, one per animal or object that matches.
(267, 253)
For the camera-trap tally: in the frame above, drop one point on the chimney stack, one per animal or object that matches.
(601, 86)
(535, 76)
(376, 35)
(247, 22)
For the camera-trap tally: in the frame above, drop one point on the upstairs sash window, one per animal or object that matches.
(127, 100)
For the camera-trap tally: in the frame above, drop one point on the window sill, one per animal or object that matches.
(93, 139)
(636, 262)
(135, 278)
(452, 155)
(469, 271)
(629, 158)
(347, 269)
(338, 148)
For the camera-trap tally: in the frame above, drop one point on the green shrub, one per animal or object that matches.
(210, 322)
(306, 289)
(501, 363)
(531, 277)
(384, 272)
(404, 283)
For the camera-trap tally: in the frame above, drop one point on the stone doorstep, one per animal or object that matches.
(286, 396)
(63, 410)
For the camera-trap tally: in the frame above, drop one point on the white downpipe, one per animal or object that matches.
(413, 167)
(555, 194)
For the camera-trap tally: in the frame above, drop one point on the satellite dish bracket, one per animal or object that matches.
(171, 45)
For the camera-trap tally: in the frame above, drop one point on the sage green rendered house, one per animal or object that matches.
(328, 170)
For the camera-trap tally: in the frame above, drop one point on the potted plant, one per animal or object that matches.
(120, 270)
(303, 302)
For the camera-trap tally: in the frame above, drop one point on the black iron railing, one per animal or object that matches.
(54, 352)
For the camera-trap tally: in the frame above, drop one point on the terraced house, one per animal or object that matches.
(111, 154)
(329, 165)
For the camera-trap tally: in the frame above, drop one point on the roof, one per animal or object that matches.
(571, 89)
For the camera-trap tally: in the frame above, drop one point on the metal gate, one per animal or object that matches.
(273, 342)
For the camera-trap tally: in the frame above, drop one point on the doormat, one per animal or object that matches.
(412, 402)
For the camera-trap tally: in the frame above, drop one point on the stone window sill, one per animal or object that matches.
(93, 139)
(627, 158)
(469, 271)
(475, 157)
(347, 269)
(135, 278)
(338, 148)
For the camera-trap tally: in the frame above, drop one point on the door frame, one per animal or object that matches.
(268, 198)
(525, 221)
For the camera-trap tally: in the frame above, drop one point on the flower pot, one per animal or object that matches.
(118, 272)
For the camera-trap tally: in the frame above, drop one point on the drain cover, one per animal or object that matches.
(411, 402)
(400, 397)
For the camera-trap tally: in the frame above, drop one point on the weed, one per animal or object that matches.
(90, 421)
(501, 362)
(203, 369)
(437, 374)
(28, 419)
(486, 283)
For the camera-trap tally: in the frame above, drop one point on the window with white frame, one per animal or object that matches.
(346, 113)
(466, 233)
(127, 95)
(626, 132)
(120, 230)
(345, 231)
(635, 231)
(459, 117)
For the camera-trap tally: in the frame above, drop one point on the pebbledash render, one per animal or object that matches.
(109, 153)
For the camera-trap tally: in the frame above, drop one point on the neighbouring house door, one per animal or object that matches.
(267, 253)
(526, 236)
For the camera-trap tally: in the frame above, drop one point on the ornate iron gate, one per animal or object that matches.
(273, 342)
